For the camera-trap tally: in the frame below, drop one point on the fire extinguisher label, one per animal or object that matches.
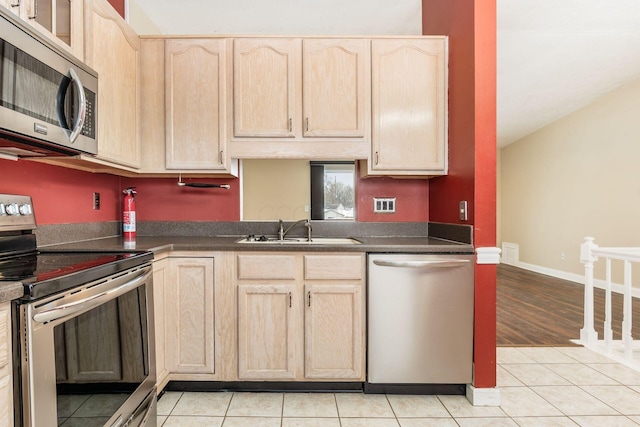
(129, 221)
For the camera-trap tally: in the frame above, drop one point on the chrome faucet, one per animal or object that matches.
(282, 233)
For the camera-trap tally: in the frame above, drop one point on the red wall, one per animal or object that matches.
(412, 199)
(161, 199)
(471, 26)
(61, 195)
(118, 5)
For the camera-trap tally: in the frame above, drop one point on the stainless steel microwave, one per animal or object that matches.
(48, 98)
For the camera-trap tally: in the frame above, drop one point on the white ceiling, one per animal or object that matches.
(554, 56)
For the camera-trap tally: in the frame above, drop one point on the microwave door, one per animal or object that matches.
(64, 103)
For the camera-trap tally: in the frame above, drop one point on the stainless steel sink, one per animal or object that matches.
(302, 241)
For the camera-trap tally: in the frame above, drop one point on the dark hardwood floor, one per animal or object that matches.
(538, 310)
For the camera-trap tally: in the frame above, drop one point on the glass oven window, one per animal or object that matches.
(101, 358)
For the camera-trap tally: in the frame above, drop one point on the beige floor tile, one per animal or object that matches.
(369, 422)
(635, 419)
(505, 379)
(572, 400)
(609, 421)
(310, 422)
(544, 422)
(363, 405)
(624, 375)
(256, 405)
(251, 422)
(535, 374)
(417, 406)
(168, 401)
(524, 402)
(547, 355)
(101, 405)
(203, 404)
(579, 374)
(584, 355)
(486, 422)
(506, 355)
(310, 405)
(459, 406)
(160, 419)
(621, 398)
(427, 422)
(187, 421)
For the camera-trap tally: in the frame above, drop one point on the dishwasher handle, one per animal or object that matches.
(443, 263)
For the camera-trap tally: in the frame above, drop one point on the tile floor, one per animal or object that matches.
(540, 386)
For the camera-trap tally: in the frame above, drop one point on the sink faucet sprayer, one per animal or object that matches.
(282, 232)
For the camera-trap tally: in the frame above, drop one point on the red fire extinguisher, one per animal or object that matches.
(129, 214)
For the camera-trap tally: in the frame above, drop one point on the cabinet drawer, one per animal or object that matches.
(331, 267)
(268, 267)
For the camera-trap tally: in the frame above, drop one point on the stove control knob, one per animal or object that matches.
(12, 209)
(25, 209)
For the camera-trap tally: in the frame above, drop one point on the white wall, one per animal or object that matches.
(577, 177)
(300, 17)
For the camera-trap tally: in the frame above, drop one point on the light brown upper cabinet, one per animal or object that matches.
(409, 106)
(113, 49)
(333, 87)
(195, 93)
(295, 98)
(60, 20)
(266, 73)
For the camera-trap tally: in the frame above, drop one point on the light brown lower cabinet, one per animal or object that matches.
(6, 383)
(189, 316)
(160, 285)
(302, 318)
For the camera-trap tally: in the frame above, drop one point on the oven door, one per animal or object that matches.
(88, 354)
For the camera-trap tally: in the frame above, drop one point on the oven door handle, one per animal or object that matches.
(74, 307)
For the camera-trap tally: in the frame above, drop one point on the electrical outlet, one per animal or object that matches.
(384, 204)
(562, 256)
(96, 201)
(462, 209)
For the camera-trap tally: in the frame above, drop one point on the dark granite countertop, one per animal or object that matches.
(10, 291)
(159, 244)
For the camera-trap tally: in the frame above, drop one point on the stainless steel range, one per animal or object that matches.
(83, 347)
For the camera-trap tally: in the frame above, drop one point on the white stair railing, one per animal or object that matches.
(621, 350)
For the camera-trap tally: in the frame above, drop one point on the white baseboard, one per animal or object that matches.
(483, 396)
(572, 277)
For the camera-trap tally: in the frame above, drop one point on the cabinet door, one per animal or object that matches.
(160, 285)
(333, 332)
(113, 51)
(195, 81)
(267, 332)
(409, 81)
(265, 75)
(189, 318)
(6, 384)
(60, 20)
(334, 87)
(13, 6)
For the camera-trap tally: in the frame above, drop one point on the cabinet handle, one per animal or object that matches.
(221, 156)
(309, 299)
(290, 125)
(376, 157)
(306, 124)
(15, 4)
(289, 299)
(35, 10)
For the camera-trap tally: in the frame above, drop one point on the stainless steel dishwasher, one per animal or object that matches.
(420, 319)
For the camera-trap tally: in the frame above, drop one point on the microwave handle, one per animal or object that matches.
(82, 108)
